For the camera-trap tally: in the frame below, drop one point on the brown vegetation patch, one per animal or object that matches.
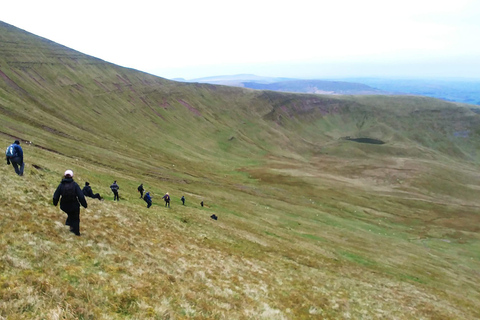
(164, 104)
(11, 83)
(8, 134)
(56, 132)
(101, 85)
(365, 140)
(48, 149)
(192, 109)
(155, 111)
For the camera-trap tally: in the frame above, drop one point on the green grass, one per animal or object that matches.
(310, 226)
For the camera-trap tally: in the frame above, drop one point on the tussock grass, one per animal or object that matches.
(311, 225)
(319, 253)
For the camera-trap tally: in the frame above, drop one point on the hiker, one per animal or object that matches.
(201, 203)
(166, 197)
(214, 217)
(14, 155)
(87, 192)
(148, 199)
(72, 197)
(140, 189)
(183, 200)
(115, 188)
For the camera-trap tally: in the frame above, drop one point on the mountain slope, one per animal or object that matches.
(311, 224)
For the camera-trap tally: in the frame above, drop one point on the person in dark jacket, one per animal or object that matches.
(14, 155)
(183, 200)
(72, 198)
(141, 189)
(88, 192)
(166, 197)
(115, 188)
(148, 199)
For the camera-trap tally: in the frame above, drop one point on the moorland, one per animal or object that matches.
(329, 207)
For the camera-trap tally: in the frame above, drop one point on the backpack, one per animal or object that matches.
(69, 192)
(11, 151)
(167, 197)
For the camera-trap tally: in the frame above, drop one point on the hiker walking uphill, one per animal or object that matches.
(141, 189)
(87, 192)
(166, 197)
(183, 200)
(71, 198)
(14, 155)
(115, 188)
(148, 199)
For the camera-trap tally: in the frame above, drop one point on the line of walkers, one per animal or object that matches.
(70, 196)
(68, 192)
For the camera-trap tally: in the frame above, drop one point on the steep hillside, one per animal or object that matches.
(329, 207)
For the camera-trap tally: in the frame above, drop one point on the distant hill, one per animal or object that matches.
(290, 85)
(457, 90)
(315, 86)
(239, 78)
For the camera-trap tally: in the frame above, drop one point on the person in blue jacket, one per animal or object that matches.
(148, 199)
(14, 155)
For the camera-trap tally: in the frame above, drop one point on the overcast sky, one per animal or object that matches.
(302, 38)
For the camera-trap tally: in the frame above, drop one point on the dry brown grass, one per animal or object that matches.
(325, 253)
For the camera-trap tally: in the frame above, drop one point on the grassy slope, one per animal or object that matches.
(311, 225)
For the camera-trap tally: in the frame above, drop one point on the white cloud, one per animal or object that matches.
(187, 35)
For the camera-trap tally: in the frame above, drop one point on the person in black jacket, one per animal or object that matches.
(114, 187)
(72, 197)
(87, 192)
(14, 155)
(141, 189)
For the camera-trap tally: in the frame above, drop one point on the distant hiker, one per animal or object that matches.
(148, 199)
(183, 200)
(201, 203)
(214, 217)
(140, 189)
(115, 188)
(14, 155)
(166, 197)
(87, 192)
(72, 197)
